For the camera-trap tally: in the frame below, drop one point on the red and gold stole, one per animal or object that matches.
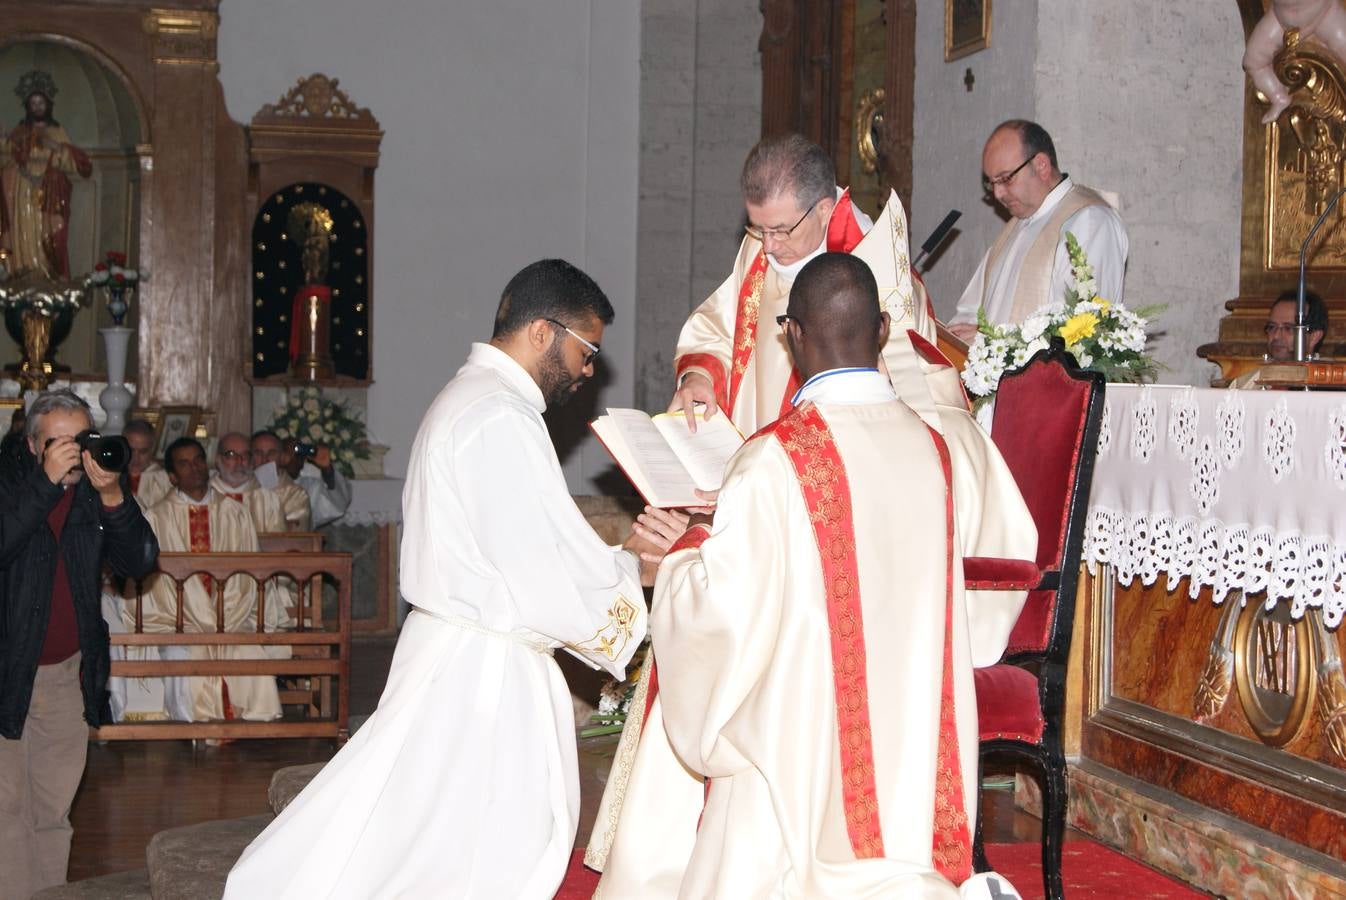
(952, 852)
(809, 444)
(198, 538)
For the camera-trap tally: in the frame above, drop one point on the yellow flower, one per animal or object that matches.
(1078, 328)
(1103, 303)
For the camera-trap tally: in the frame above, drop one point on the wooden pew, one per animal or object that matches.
(320, 650)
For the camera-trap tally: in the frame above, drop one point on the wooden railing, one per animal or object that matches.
(320, 650)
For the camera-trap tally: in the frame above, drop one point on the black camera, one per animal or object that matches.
(304, 450)
(111, 451)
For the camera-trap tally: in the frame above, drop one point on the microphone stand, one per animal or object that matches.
(1301, 312)
(936, 238)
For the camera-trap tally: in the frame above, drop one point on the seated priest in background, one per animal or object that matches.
(195, 518)
(464, 782)
(311, 467)
(269, 450)
(1027, 267)
(1280, 331)
(814, 649)
(149, 481)
(233, 478)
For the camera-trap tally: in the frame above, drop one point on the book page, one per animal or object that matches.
(646, 458)
(704, 453)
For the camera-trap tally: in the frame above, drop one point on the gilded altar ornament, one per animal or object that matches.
(1331, 689)
(868, 128)
(310, 226)
(40, 299)
(1307, 151)
(1276, 671)
(1212, 690)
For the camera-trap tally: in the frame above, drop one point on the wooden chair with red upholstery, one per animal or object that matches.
(1046, 423)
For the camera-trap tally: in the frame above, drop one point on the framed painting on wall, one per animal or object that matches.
(967, 27)
(175, 422)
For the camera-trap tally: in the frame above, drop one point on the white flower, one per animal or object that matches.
(1033, 326)
(315, 432)
(310, 405)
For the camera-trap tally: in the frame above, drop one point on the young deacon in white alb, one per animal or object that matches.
(465, 783)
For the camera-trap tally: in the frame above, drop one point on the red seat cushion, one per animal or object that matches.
(1007, 704)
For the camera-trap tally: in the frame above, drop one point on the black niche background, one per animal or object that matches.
(277, 273)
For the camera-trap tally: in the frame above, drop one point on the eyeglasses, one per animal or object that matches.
(991, 184)
(785, 319)
(594, 349)
(232, 454)
(780, 234)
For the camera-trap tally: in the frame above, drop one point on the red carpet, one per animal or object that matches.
(1089, 868)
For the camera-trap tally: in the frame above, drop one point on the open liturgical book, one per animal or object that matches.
(665, 459)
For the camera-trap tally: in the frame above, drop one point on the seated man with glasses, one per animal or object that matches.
(1280, 331)
(1027, 266)
(233, 478)
(725, 357)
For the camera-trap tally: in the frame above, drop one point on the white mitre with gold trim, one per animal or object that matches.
(884, 250)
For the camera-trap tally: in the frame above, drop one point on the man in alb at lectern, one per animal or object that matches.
(1027, 267)
(814, 648)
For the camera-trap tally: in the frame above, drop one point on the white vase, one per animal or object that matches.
(115, 398)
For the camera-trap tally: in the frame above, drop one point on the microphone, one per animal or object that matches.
(936, 237)
(1301, 313)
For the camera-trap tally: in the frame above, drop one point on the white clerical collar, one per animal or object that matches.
(853, 386)
(516, 375)
(224, 487)
(204, 501)
(1055, 196)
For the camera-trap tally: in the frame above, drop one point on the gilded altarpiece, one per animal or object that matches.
(1291, 170)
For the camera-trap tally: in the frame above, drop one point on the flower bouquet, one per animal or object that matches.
(1103, 336)
(614, 698)
(307, 416)
(113, 276)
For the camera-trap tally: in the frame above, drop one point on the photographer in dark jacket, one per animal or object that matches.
(61, 517)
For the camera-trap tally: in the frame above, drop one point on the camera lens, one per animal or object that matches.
(111, 452)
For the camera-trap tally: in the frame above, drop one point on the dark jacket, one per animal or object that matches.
(28, 567)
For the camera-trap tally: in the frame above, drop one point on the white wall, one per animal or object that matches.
(511, 134)
(1142, 98)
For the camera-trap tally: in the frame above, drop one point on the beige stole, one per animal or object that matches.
(1035, 275)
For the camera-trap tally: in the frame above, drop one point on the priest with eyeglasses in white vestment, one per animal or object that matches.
(464, 783)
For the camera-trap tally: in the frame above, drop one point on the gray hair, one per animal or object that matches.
(50, 401)
(788, 164)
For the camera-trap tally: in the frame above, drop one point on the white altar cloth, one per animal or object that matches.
(1240, 490)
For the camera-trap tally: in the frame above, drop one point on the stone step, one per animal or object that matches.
(288, 782)
(193, 862)
(132, 885)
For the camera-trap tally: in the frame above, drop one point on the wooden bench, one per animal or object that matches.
(320, 650)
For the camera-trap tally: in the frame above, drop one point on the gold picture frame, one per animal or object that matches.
(967, 27)
(175, 422)
(8, 406)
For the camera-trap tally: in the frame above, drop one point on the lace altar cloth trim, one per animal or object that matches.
(1238, 490)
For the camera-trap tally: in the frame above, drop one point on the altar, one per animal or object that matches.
(1208, 708)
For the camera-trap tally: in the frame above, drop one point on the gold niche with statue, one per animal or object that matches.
(1292, 168)
(312, 159)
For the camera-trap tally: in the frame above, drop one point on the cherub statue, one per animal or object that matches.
(1322, 19)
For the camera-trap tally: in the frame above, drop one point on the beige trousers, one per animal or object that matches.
(39, 774)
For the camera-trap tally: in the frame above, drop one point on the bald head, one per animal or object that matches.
(835, 317)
